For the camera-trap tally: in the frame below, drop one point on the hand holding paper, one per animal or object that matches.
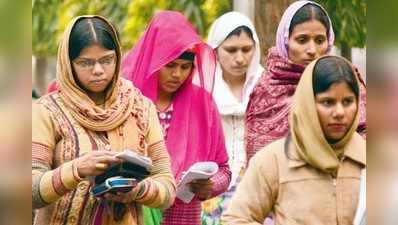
(198, 171)
(202, 188)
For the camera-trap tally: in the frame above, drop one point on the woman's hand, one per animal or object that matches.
(123, 197)
(95, 162)
(202, 188)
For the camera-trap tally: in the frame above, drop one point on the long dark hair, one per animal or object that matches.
(309, 12)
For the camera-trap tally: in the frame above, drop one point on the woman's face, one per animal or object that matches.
(336, 108)
(95, 68)
(174, 74)
(307, 42)
(235, 54)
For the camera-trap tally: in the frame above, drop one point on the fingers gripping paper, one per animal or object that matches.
(199, 170)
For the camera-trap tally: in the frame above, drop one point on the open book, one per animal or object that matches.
(199, 170)
(133, 157)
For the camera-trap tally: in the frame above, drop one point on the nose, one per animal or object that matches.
(176, 72)
(98, 70)
(239, 58)
(311, 49)
(338, 111)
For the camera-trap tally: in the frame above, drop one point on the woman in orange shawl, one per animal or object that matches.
(79, 128)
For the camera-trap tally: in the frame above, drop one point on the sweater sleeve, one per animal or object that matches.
(48, 183)
(157, 191)
(256, 194)
(221, 180)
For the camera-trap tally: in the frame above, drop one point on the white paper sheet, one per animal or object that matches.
(199, 170)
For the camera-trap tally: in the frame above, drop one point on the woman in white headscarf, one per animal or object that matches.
(236, 43)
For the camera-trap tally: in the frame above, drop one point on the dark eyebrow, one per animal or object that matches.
(301, 35)
(351, 97)
(108, 55)
(187, 63)
(321, 35)
(325, 98)
(234, 46)
(229, 47)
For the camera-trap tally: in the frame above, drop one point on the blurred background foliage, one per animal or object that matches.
(349, 23)
(50, 17)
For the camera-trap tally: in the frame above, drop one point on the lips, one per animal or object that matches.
(239, 68)
(98, 82)
(337, 127)
(173, 84)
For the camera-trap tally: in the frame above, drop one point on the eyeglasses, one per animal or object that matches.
(88, 64)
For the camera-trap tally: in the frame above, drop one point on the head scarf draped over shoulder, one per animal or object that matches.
(118, 118)
(195, 130)
(306, 130)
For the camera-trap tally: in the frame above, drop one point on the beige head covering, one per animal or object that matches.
(118, 104)
(306, 130)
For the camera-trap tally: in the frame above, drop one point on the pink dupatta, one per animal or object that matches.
(195, 132)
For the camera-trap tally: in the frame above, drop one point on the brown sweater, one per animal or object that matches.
(296, 193)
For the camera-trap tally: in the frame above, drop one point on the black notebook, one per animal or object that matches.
(133, 166)
(124, 169)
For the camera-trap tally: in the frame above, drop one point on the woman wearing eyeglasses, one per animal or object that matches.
(78, 129)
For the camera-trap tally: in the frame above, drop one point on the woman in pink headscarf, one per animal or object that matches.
(173, 67)
(304, 33)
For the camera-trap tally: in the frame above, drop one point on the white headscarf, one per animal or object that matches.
(226, 102)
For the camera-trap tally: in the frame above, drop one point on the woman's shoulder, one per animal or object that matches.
(47, 109)
(272, 154)
(142, 98)
(139, 98)
(46, 102)
(274, 148)
(267, 163)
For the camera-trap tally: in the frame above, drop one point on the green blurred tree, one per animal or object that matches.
(138, 15)
(44, 40)
(201, 13)
(349, 23)
(50, 18)
(115, 11)
(44, 26)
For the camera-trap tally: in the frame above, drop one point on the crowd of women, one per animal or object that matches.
(288, 139)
